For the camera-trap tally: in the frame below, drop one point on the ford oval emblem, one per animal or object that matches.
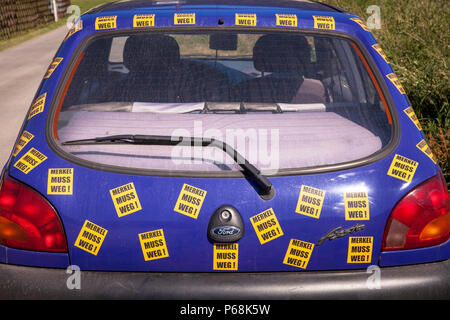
(226, 231)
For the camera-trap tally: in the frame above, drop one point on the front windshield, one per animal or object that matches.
(282, 100)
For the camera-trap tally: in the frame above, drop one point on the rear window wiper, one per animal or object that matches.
(263, 184)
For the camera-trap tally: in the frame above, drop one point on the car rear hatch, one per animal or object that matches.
(321, 140)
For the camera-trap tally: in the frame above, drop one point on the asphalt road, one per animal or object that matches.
(21, 70)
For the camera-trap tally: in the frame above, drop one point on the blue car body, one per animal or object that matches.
(184, 238)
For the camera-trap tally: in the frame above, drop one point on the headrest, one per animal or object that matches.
(96, 56)
(147, 52)
(281, 53)
(99, 49)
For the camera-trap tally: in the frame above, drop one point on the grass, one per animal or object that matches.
(85, 5)
(22, 37)
(415, 36)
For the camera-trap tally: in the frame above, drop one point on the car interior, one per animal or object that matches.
(240, 81)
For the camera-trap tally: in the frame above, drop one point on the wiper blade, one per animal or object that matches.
(264, 185)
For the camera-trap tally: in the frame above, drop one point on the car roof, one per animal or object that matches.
(179, 4)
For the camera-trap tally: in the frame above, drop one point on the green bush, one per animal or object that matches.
(415, 36)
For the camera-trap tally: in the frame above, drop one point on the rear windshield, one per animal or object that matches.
(283, 101)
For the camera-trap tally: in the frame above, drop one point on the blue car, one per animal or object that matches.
(235, 149)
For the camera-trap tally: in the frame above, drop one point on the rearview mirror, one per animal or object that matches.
(223, 41)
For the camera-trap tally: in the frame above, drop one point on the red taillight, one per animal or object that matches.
(27, 220)
(421, 218)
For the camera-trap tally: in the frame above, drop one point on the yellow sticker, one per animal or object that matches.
(266, 226)
(143, 20)
(90, 238)
(310, 201)
(37, 106)
(30, 160)
(60, 181)
(78, 26)
(410, 113)
(425, 148)
(361, 23)
(55, 63)
(105, 23)
(356, 205)
(153, 245)
(298, 253)
(125, 199)
(22, 142)
(324, 23)
(245, 19)
(360, 249)
(402, 168)
(286, 20)
(184, 18)
(190, 201)
(380, 51)
(396, 82)
(226, 256)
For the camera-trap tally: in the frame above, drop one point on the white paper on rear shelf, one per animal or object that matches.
(156, 107)
(307, 107)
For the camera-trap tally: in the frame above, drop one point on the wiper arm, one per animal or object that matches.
(264, 185)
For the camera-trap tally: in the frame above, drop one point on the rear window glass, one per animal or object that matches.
(283, 101)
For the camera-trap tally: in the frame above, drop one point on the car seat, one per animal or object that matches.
(91, 82)
(284, 63)
(153, 62)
